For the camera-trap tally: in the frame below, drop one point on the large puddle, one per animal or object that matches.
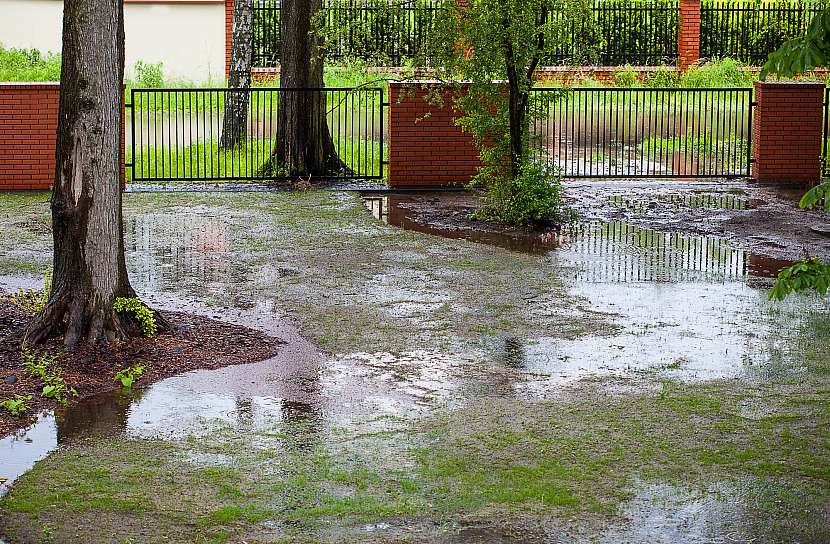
(685, 307)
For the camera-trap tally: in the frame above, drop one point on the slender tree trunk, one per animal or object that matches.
(242, 58)
(304, 145)
(89, 264)
(518, 127)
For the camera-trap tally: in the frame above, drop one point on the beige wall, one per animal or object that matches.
(188, 38)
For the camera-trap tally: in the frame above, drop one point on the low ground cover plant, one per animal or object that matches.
(44, 368)
(16, 406)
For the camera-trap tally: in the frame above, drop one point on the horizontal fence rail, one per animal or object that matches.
(750, 31)
(641, 132)
(176, 134)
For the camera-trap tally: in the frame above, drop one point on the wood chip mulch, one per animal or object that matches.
(196, 343)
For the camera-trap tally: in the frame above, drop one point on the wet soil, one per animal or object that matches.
(195, 342)
(765, 221)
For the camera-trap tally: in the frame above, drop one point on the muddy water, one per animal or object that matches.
(684, 307)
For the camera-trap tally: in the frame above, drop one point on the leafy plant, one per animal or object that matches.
(16, 406)
(29, 65)
(140, 312)
(718, 73)
(44, 368)
(803, 53)
(148, 75)
(31, 301)
(810, 275)
(128, 376)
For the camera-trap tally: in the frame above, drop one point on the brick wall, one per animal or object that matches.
(426, 148)
(28, 124)
(787, 132)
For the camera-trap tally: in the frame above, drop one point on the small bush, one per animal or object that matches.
(140, 312)
(29, 65)
(719, 73)
(627, 78)
(531, 199)
(148, 75)
(44, 368)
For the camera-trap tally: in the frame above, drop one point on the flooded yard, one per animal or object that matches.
(622, 379)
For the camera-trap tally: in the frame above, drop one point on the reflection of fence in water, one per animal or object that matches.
(679, 201)
(619, 252)
(167, 249)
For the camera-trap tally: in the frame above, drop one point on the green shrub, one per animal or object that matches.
(531, 199)
(148, 75)
(719, 73)
(140, 312)
(29, 65)
(626, 78)
(44, 368)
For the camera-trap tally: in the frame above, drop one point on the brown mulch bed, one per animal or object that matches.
(195, 343)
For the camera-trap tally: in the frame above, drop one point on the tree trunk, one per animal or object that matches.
(89, 265)
(304, 145)
(242, 54)
(518, 127)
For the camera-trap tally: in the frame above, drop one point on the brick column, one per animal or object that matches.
(688, 34)
(787, 132)
(228, 36)
(426, 147)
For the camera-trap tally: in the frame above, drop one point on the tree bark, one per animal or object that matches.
(304, 145)
(89, 265)
(235, 121)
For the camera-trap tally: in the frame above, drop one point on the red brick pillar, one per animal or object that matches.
(787, 132)
(688, 34)
(426, 147)
(228, 36)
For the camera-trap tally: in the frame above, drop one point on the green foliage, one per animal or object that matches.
(140, 312)
(810, 275)
(803, 53)
(31, 301)
(148, 75)
(718, 73)
(128, 376)
(627, 78)
(816, 196)
(16, 406)
(44, 368)
(29, 65)
(531, 199)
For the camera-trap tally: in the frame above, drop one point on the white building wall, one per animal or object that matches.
(187, 37)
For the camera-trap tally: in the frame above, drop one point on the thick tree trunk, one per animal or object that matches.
(242, 57)
(89, 264)
(304, 145)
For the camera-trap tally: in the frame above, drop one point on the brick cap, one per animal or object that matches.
(598, 68)
(789, 84)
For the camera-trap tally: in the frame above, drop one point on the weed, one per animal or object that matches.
(31, 301)
(128, 376)
(16, 406)
(140, 312)
(148, 75)
(45, 369)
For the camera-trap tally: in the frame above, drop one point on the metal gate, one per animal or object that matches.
(175, 135)
(643, 132)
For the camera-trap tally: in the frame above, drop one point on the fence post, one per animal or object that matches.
(688, 34)
(787, 132)
(228, 36)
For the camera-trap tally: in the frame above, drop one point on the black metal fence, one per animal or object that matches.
(750, 31)
(641, 132)
(637, 32)
(825, 148)
(384, 32)
(175, 134)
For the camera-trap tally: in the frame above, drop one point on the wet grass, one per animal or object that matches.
(179, 164)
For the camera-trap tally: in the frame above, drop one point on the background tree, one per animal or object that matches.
(796, 56)
(239, 76)
(89, 266)
(304, 145)
(496, 46)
